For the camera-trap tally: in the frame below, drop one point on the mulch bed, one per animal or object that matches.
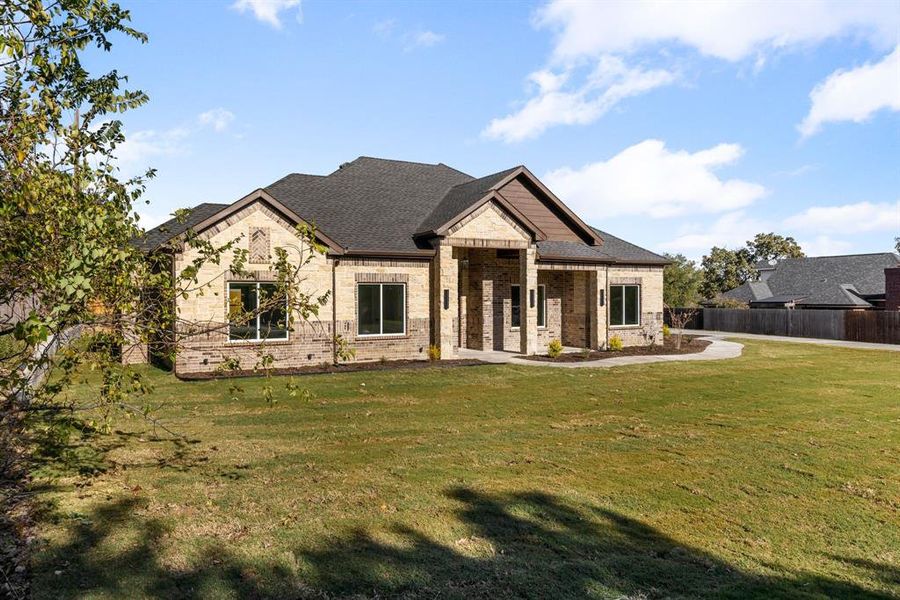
(350, 367)
(689, 345)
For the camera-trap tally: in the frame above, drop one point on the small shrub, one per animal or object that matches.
(585, 353)
(434, 352)
(666, 331)
(615, 343)
(554, 349)
(343, 350)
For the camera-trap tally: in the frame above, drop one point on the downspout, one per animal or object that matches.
(606, 304)
(334, 264)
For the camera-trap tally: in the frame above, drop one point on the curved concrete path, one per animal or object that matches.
(718, 349)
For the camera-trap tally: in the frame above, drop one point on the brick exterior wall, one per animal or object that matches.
(478, 271)
(892, 289)
(651, 281)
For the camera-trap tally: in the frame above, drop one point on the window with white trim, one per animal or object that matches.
(516, 306)
(381, 309)
(624, 305)
(256, 312)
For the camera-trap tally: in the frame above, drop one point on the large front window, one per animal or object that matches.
(381, 309)
(516, 306)
(256, 312)
(624, 305)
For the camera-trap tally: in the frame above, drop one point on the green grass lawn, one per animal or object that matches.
(773, 475)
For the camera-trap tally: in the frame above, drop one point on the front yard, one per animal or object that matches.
(776, 474)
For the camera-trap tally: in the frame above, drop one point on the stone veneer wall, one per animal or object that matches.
(203, 328)
(416, 275)
(650, 279)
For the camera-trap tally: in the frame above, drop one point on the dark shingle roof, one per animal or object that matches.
(825, 280)
(369, 203)
(160, 234)
(622, 251)
(373, 204)
(459, 198)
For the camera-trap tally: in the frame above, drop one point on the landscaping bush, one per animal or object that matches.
(615, 343)
(554, 349)
(434, 353)
(666, 331)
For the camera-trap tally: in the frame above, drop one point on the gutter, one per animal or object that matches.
(411, 254)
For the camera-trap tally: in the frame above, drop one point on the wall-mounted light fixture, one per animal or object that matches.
(446, 298)
(602, 297)
(531, 298)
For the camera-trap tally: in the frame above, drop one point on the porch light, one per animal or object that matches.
(602, 297)
(446, 298)
(531, 298)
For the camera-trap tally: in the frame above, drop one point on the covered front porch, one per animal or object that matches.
(493, 297)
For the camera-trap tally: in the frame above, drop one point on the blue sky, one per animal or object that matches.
(675, 126)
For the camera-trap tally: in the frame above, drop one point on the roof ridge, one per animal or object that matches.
(839, 255)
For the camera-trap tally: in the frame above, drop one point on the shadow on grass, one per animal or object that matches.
(527, 545)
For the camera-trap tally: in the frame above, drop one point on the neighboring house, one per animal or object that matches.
(419, 254)
(853, 281)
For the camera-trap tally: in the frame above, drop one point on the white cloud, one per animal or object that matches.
(731, 230)
(555, 103)
(424, 39)
(855, 94)
(218, 118)
(822, 245)
(648, 179)
(389, 29)
(268, 11)
(731, 30)
(601, 33)
(140, 147)
(848, 218)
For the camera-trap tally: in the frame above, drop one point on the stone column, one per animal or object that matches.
(596, 305)
(527, 293)
(463, 299)
(446, 269)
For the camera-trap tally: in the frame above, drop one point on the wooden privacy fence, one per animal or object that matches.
(879, 326)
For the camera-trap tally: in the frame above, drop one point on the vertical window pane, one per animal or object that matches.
(616, 312)
(368, 316)
(242, 311)
(631, 305)
(393, 307)
(272, 315)
(516, 306)
(542, 306)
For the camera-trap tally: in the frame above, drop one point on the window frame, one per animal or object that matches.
(381, 310)
(538, 302)
(624, 325)
(257, 339)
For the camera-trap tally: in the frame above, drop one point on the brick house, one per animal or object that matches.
(418, 254)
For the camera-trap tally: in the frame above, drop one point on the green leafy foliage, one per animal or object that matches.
(616, 344)
(681, 281)
(554, 348)
(434, 352)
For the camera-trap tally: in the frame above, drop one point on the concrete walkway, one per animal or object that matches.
(718, 349)
(796, 340)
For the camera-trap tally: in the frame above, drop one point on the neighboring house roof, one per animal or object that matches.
(379, 205)
(846, 280)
